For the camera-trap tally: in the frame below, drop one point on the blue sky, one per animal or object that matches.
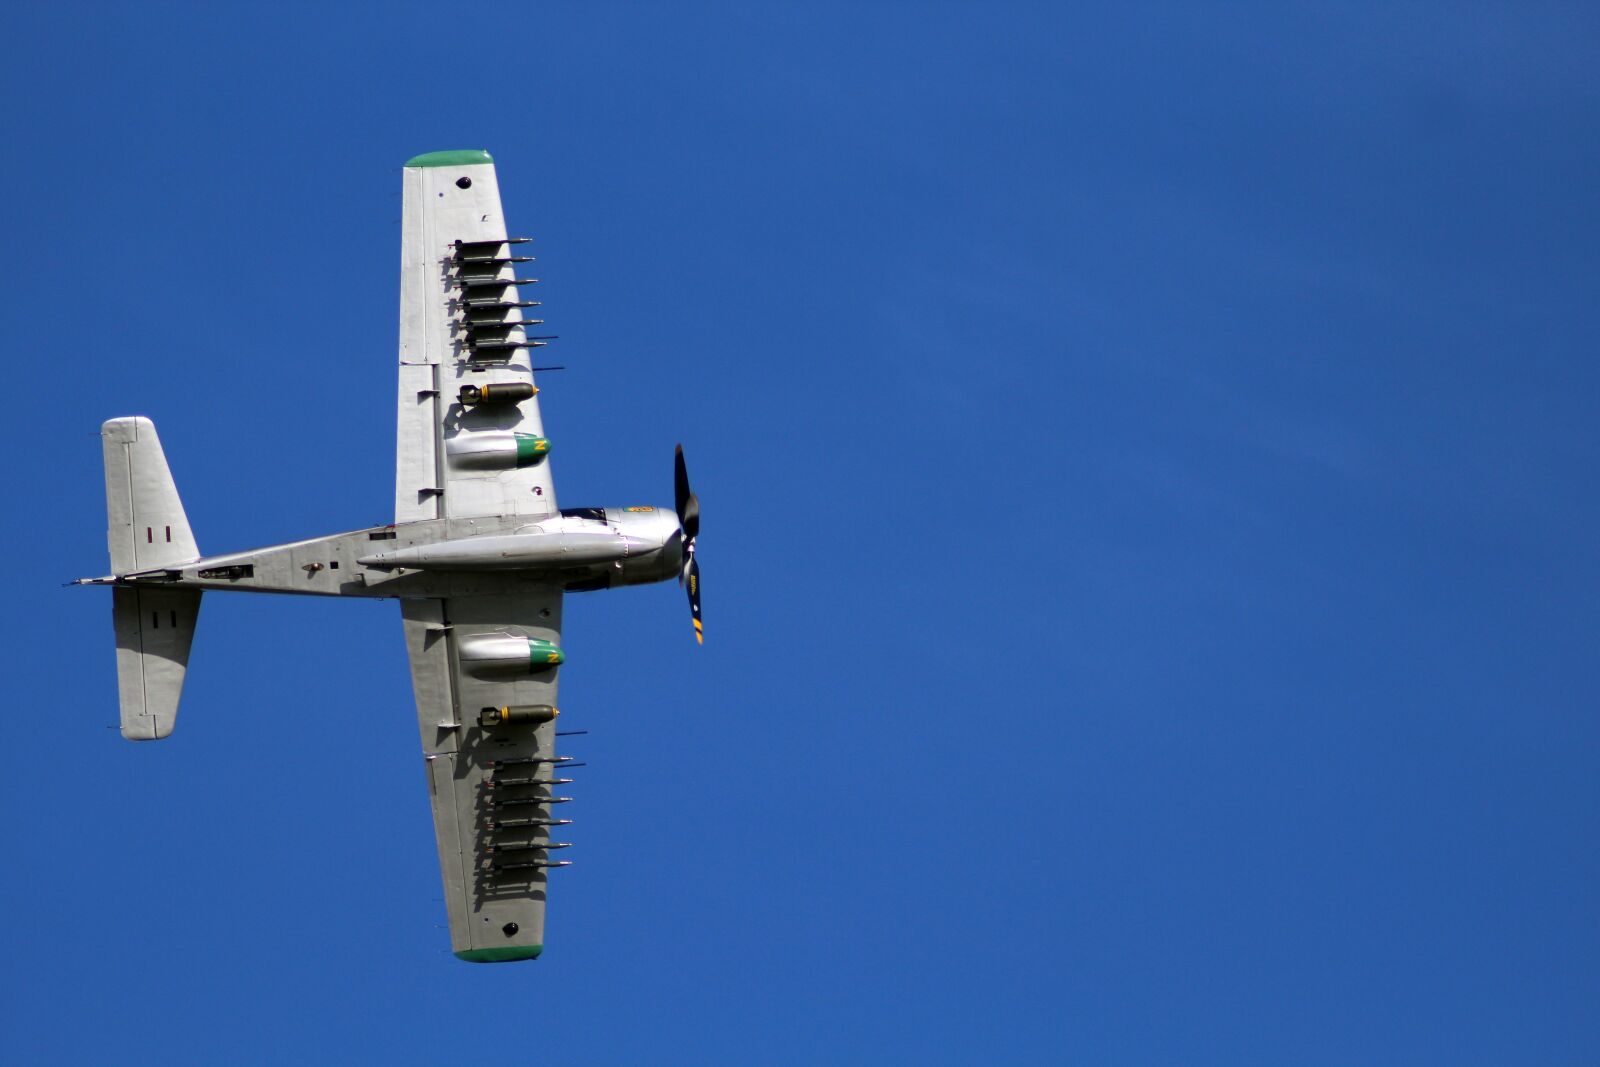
(1147, 455)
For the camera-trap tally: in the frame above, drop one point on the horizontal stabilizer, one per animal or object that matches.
(146, 528)
(154, 628)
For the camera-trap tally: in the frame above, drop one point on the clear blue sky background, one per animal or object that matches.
(1148, 456)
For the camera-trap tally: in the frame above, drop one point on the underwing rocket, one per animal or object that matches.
(479, 557)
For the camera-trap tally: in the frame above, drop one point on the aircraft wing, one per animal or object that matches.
(462, 323)
(463, 328)
(493, 788)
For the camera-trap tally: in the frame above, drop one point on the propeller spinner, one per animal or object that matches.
(688, 506)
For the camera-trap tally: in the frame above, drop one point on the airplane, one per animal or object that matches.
(479, 557)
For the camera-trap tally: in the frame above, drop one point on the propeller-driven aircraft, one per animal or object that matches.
(479, 556)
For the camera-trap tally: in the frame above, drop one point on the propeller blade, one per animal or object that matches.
(694, 599)
(680, 481)
(689, 517)
(687, 504)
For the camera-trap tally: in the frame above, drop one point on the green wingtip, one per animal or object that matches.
(461, 157)
(509, 954)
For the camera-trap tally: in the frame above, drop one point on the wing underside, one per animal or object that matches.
(493, 773)
(470, 443)
(463, 294)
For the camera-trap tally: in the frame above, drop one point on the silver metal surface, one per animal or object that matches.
(523, 551)
(479, 557)
(494, 655)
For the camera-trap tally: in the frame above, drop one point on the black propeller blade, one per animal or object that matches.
(694, 596)
(688, 506)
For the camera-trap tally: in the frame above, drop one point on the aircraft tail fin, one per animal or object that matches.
(147, 530)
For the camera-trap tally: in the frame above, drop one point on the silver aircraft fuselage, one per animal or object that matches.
(578, 549)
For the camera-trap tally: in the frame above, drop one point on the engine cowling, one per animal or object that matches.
(655, 526)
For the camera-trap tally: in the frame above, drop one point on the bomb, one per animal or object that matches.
(517, 714)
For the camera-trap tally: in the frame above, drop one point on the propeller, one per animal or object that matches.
(688, 506)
